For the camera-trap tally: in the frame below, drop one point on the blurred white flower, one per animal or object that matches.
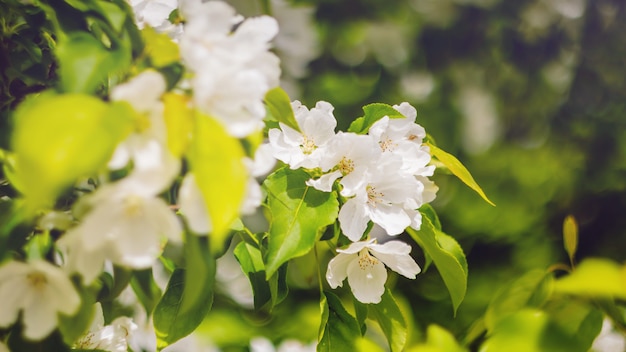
(363, 263)
(156, 13)
(609, 340)
(112, 337)
(307, 148)
(41, 291)
(262, 344)
(3, 347)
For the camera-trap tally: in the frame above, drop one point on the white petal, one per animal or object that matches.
(325, 182)
(407, 110)
(395, 255)
(392, 218)
(352, 219)
(367, 284)
(356, 247)
(11, 296)
(337, 270)
(193, 207)
(39, 319)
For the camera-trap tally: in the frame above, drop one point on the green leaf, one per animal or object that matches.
(373, 113)
(530, 330)
(200, 269)
(579, 320)
(438, 340)
(160, 47)
(85, 63)
(389, 316)
(529, 291)
(570, 236)
(279, 107)
(454, 165)
(339, 331)
(216, 159)
(360, 310)
(171, 323)
(447, 255)
(595, 277)
(65, 137)
(299, 214)
(251, 262)
(147, 291)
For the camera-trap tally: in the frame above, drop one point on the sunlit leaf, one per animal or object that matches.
(438, 340)
(373, 113)
(388, 315)
(454, 165)
(171, 323)
(529, 291)
(216, 159)
(160, 47)
(447, 256)
(570, 236)
(279, 107)
(338, 330)
(59, 139)
(595, 277)
(299, 214)
(179, 122)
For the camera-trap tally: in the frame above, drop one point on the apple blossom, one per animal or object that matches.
(40, 290)
(363, 264)
(112, 337)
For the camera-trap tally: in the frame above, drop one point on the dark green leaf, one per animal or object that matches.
(146, 289)
(388, 315)
(170, 322)
(73, 327)
(338, 330)
(299, 215)
(447, 256)
(200, 269)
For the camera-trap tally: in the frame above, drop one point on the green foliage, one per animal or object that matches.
(171, 322)
(389, 316)
(73, 327)
(222, 182)
(570, 237)
(279, 108)
(438, 340)
(299, 215)
(339, 331)
(595, 277)
(448, 257)
(200, 267)
(373, 113)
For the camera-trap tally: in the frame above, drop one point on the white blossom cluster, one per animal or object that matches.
(383, 177)
(126, 222)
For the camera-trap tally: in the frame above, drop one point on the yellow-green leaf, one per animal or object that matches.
(160, 47)
(595, 277)
(179, 122)
(458, 169)
(279, 107)
(216, 159)
(570, 236)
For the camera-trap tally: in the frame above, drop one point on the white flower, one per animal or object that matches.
(127, 224)
(608, 340)
(363, 263)
(348, 156)
(231, 63)
(386, 197)
(41, 291)
(155, 13)
(146, 146)
(4, 348)
(262, 344)
(304, 149)
(111, 337)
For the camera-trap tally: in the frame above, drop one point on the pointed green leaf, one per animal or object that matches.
(389, 316)
(373, 113)
(251, 262)
(160, 47)
(299, 215)
(200, 269)
(216, 159)
(570, 236)
(170, 322)
(147, 291)
(360, 310)
(279, 107)
(595, 277)
(338, 330)
(447, 255)
(438, 340)
(454, 165)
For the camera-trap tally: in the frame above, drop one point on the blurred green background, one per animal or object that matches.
(529, 94)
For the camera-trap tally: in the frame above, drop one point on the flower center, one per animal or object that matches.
(366, 261)
(387, 144)
(346, 166)
(142, 123)
(373, 197)
(37, 280)
(308, 145)
(133, 206)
